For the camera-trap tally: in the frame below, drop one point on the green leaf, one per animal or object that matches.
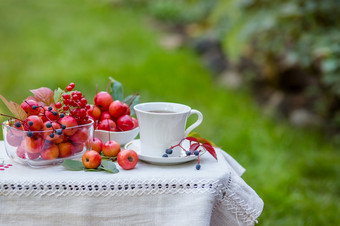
(108, 166)
(57, 95)
(117, 91)
(73, 165)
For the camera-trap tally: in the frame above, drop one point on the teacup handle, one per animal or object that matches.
(197, 123)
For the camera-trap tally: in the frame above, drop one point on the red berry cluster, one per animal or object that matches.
(74, 104)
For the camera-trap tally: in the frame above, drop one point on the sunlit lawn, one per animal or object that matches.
(52, 43)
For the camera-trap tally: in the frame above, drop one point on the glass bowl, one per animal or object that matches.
(122, 137)
(40, 150)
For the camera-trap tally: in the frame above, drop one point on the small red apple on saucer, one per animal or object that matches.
(127, 159)
(91, 159)
(111, 148)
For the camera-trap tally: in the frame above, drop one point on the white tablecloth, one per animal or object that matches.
(147, 195)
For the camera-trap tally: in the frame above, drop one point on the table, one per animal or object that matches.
(147, 195)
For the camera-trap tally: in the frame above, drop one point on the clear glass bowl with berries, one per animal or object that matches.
(48, 146)
(48, 127)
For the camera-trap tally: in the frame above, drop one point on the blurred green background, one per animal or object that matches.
(52, 43)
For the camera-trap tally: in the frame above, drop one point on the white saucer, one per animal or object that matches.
(135, 145)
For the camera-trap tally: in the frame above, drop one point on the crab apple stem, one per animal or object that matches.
(108, 85)
(131, 99)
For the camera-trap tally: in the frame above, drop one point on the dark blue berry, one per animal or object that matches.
(188, 153)
(34, 107)
(48, 125)
(17, 124)
(165, 156)
(59, 131)
(168, 151)
(50, 108)
(30, 134)
(63, 126)
(198, 166)
(61, 115)
(51, 135)
(54, 113)
(30, 123)
(196, 153)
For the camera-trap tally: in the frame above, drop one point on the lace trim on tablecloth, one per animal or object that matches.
(233, 203)
(101, 188)
(222, 191)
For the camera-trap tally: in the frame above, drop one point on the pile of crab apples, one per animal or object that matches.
(111, 115)
(114, 116)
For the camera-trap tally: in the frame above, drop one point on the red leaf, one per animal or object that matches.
(44, 95)
(15, 108)
(194, 147)
(210, 149)
(193, 139)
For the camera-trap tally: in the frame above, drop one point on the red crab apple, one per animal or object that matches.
(128, 110)
(18, 131)
(60, 139)
(107, 124)
(27, 106)
(21, 154)
(78, 147)
(50, 152)
(46, 115)
(103, 100)
(127, 159)
(97, 144)
(94, 112)
(69, 122)
(135, 122)
(80, 136)
(91, 159)
(32, 144)
(65, 149)
(111, 148)
(48, 131)
(12, 139)
(117, 109)
(105, 115)
(34, 122)
(125, 122)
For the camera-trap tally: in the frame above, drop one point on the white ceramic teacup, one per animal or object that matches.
(162, 125)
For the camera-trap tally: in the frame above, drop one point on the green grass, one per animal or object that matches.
(52, 43)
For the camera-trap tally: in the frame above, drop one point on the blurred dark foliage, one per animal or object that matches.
(291, 47)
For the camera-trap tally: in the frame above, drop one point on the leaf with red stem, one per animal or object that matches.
(15, 108)
(210, 149)
(193, 139)
(44, 95)
(194, 147)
